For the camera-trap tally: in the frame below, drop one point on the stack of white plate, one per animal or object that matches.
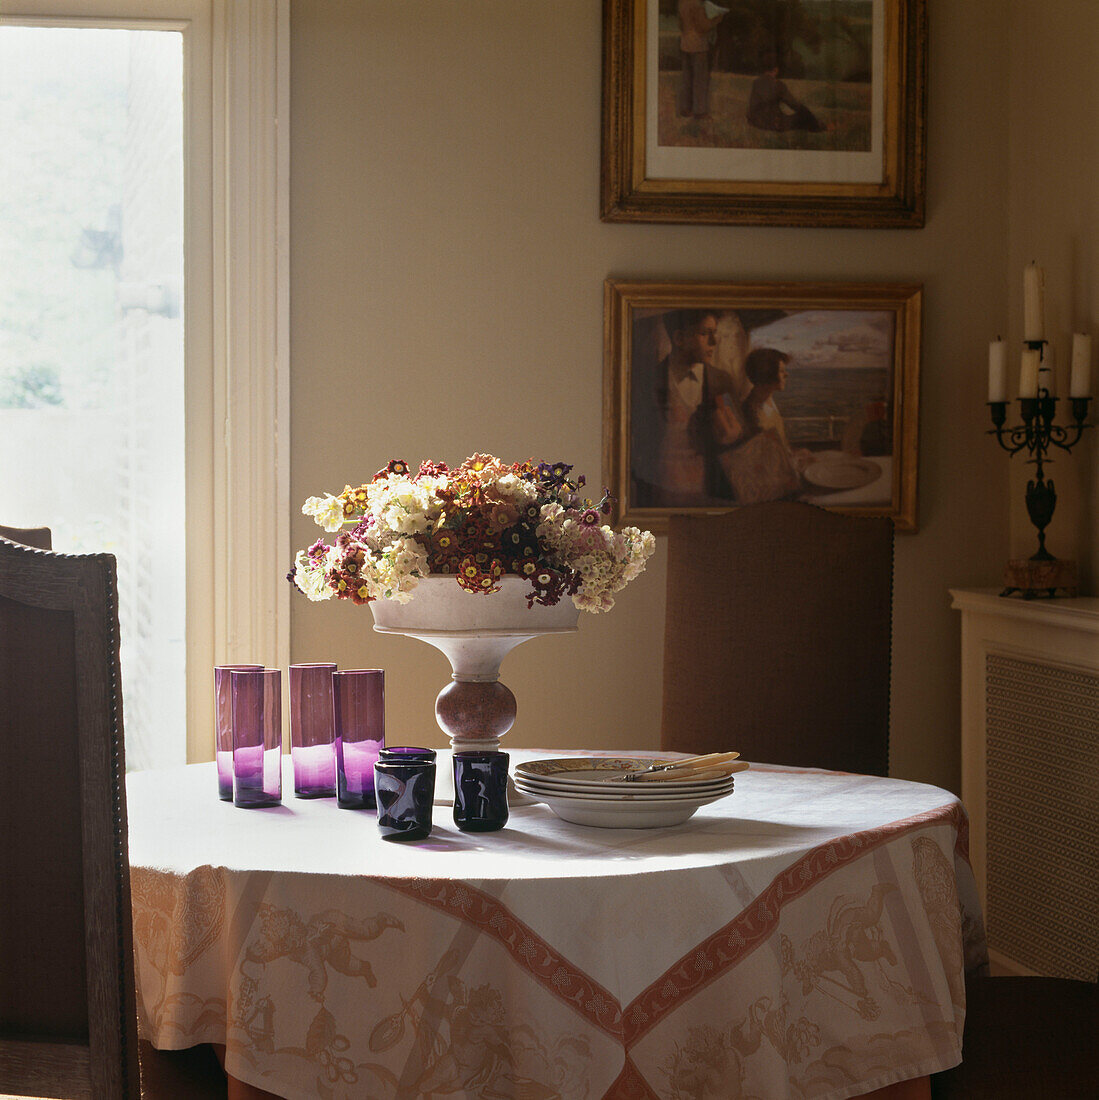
(586, 790)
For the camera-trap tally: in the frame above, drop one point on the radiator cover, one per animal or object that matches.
(1042, 768)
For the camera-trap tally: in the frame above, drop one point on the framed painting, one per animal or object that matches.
(718, 395)
(764, 112)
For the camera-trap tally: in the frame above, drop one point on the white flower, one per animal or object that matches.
(593, 603)
(327, 511)
(393, 572)
(409, 557)
(517, 490)
(309, 576)
(402, 506)
(606, 560)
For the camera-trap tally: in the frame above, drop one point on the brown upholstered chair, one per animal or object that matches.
(1026, 1039)
(68, 1026)
(67, 1019)
(777, 638)
(28, 536)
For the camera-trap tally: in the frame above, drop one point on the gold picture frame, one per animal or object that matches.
(855, 156)
(719, 394)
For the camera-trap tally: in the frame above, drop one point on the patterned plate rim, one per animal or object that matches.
(562, 778)
(653, 788)
(556, 765)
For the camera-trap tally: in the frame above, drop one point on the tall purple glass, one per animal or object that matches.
(360, 734)
(257, 737)
(313, 730)
(223, 727)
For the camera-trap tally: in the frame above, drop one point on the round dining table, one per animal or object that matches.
(806, 936)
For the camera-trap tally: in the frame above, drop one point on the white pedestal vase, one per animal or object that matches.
(475, 632)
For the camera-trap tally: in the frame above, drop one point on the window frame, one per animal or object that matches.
(236, 322)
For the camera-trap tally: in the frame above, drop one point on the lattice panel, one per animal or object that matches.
(1042, 739)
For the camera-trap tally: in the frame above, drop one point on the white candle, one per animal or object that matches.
(1028, 374)
(1034, 282)
(997, 371)
(1080, 383)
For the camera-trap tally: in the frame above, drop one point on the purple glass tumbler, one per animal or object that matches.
(313, 730)
(257, 737)
(223, 726)
(360, 734)
(480, 791)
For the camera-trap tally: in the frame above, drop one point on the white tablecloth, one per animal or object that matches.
(804, 937)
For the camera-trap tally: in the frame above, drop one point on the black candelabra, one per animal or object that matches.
(1038, 434)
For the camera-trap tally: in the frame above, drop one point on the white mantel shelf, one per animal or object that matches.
(1067, 613)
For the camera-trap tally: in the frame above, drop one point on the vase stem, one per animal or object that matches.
(475, 714)
(475, 632)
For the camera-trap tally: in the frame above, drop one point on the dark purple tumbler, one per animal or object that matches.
(257, 737)
(223, 726)
(480, 791)
(360, 734)
(406, 791)
(402, 754)
(313, 730)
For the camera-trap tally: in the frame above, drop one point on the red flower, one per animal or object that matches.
(394, 466)
(475, 576)
(360, 594)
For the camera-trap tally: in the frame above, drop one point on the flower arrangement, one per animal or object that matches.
(478, 522)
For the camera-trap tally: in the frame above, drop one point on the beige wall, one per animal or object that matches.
(1054, 220)
(447, 262)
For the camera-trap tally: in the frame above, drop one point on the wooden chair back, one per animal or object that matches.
(778, 635)
(67, 1015)
(28, 536)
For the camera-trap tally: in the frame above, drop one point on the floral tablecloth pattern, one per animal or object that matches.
(806, 937)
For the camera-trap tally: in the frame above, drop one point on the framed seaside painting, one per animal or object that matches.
(723, 394)
(764, 112)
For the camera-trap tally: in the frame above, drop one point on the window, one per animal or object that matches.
(143, 323)
(91, 332)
